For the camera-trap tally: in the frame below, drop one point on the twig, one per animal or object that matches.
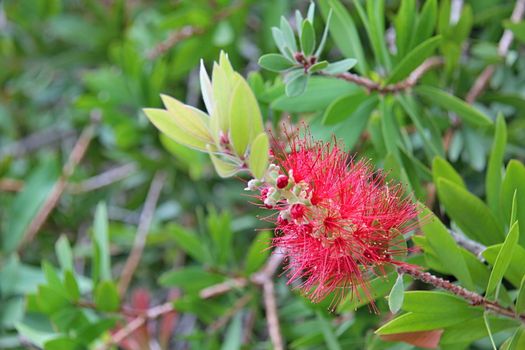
(221, 322)
(272, 317)
(78, 152)
(101, 180)
(472, 246)
(37, 141)
(406, 84)
(11, 185)
(144, 223)
(472, 297)
(221, 288)
(503, 49)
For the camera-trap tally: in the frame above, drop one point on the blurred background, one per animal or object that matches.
(74, 77)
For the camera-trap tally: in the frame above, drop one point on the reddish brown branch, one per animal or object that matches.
(101, 180)
(142, 231)
(406, 84)
(78, 152)
(472, 297)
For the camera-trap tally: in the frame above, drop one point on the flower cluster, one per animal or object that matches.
(337, 220)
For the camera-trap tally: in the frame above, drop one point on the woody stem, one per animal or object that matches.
(472, 297)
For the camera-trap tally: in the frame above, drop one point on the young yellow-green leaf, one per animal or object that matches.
(206, 89)
(222, 86)
(447, 251)
(449, 102)
(107, 297)
(258, 159)
(343, 107)
(245, 117)
(344, 32)
(164, 121)
(222, 167)
(275, 62)
(412, 322)
(101, 254)
(189, 119)
(502, 262)
(495, 166)
(472, 215)
(413, 59)
(442, 169)
(520, 299)
(307, 38)
(395, 298)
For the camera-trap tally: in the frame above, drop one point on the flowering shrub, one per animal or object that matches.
(380, 144)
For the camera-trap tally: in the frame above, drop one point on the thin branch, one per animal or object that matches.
(101, 180)
(503, 49)
(221, 322)
(78, 152)
(472, 297)
(222, 288)
(11, 185)
(37, 141)
(144, 224)
(472, 246)
(272, 317)
(406, 84)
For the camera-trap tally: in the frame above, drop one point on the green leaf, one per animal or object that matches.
(341, 66)
(288, 35)
(164, 121)
(64, 253)
(516, 269)
(27, 204)
(307, 38)
(520, 299)
(404, 25)
(343, 107)
(446, 249)
(413, 59)
(474, 329)
(190, 278)
(190, 243)
(71, 285)
(245, 117)
(449, 102)
(329, 335)
(502, 262)
(472, 215)
(258, 252)
(258, 159)
(426, 22)
(344, 32)
(518, 29)
(376, 30)
(319, 66)
(395, 298)
(234, 334)
(320, 92)
(434, 302)
(107, 297)
(101, 254)
(296, 86)
(225, 168)
(62, 343)
(495, 166)
(49, 301)
(320, 48)
(412, 322)
(275, 62)
(442, 169)
(514, 182)
(517, 341)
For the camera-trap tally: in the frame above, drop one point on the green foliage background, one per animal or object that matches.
(68, 67)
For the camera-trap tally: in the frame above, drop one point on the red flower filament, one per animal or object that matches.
(338, 219)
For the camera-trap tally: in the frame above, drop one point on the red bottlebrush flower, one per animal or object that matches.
(338, 220)
(282, 181)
